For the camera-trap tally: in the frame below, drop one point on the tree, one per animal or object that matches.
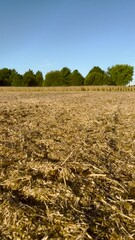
(66, 72)
(39, 78)
(120, 74)
(96, 76)
(96, 69)
(5, 77)
(15, 78)
(54, 78)
(29, 79)
(94, 79)
(76, 79)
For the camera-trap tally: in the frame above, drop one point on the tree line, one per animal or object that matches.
(119, 74)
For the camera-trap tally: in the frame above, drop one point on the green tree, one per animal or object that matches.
(39, 78)
(29, 79)
(96, 76)
(5, 77)
(15, 78)
(66, 72)
(120, 74)
(76, 79)
(96, 69)
(94, 79)
(54, 78)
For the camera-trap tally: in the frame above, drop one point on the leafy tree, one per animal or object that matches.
(94, 79)
(96, 69)
(120, 74)
(54, 78)
(66, 72)
(15, 78)
(39, 78)
(29, 79)
(76, 79)
(96, 76)
(5, 77)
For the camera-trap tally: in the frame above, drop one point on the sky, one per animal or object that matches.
(48, 35)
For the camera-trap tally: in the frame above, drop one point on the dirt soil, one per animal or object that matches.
(67, 165)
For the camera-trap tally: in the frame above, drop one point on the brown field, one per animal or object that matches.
(69, 89)
(67, 164)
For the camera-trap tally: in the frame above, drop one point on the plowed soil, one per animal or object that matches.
(67, 165)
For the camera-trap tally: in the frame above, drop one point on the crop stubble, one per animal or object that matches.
(67, 165)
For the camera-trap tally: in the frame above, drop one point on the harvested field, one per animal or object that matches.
(67, 165)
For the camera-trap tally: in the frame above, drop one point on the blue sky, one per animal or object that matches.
(48, 35)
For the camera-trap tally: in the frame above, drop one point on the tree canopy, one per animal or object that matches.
(96, 76)
(96, 69)
(54, 78)
(66, 73)
(64, 77)
(15, 78)
(119, 74)
(39, 78)
(29, 79)
(5, 77)
(76, 79)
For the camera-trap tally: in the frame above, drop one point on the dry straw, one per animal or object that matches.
(67, 166)
(69, 89)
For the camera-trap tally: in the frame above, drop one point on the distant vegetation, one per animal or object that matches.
(118, 75)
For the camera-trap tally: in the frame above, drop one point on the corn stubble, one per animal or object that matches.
(67, 165)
